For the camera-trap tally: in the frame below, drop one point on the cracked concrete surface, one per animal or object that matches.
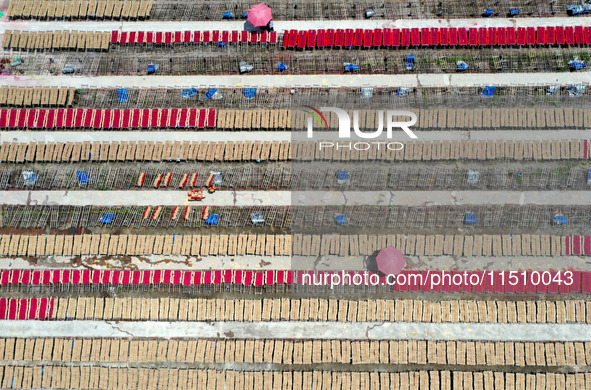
(296, 198)
(318, 263)
(299, 330)
(423, 198)
(152, 262)
(299, 81)
(449, 262)
(117, 328)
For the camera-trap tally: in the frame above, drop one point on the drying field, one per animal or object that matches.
(111, 278)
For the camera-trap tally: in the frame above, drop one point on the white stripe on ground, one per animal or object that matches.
(280, 26)
(145, 198)
(299, 330)
(319, 263)
(448, 262)
(217, 136)
(156, 262)
(156, 135)
(296, 198)
(300, 81)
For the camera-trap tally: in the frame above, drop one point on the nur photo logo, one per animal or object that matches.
(391, 118)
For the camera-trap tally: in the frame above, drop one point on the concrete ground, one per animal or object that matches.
(296, 198)
(433, 198)
(33, 25)
(410, 80)
(145, 198)
(217, 136)
(318, 263)
(299, 330)
(155, 136)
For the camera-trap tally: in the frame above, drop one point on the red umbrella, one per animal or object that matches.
(259, 15)
(390, 261)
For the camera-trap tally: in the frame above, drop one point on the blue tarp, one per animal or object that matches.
(351, 68)
(151, 68)
(281, 66)
(470, 219)
(409, 62)
(249, 93)
(29, 177)
(576, 65)
(488, 91)
(210, 93)
(343, 175)
(122, 95)
(256, 218)
(82, 177)
(212, 219)
(107, 218)
(402, 91)
(188, 92)
(341, 219)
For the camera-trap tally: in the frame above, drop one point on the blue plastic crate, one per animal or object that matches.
(489, 12)
(281, 66)
(151, 69)
(470, 219)
(212, 219)
(513, 11)
(228, 15)
(83, 177)
(107, 218)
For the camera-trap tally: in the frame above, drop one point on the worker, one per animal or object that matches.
(211, 189)
(196, 195)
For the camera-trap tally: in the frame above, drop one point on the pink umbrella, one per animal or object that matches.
(259, 15)
(390, 261)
